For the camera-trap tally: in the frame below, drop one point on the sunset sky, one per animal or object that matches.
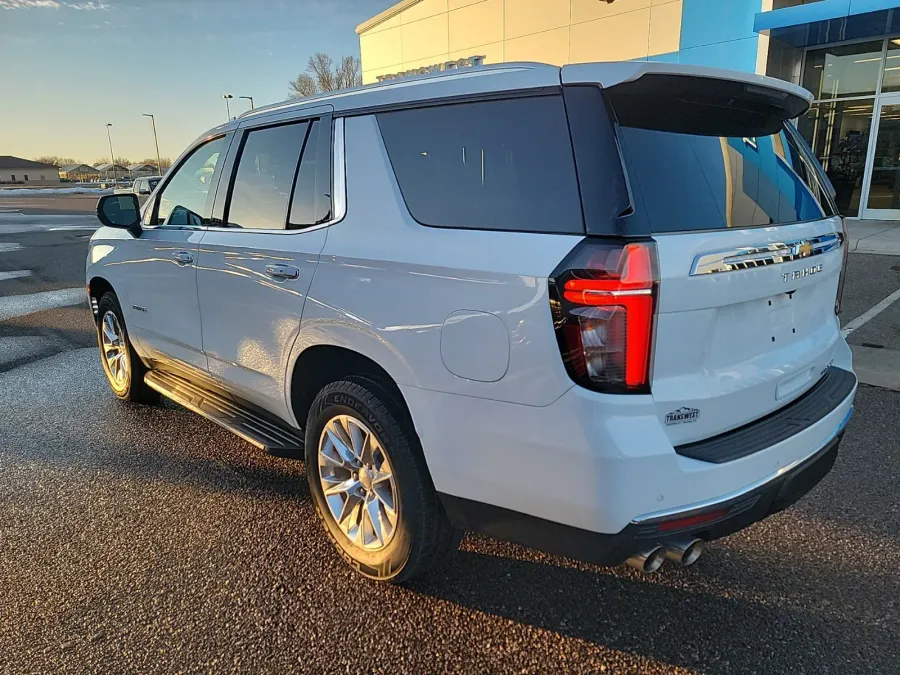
(69, 67)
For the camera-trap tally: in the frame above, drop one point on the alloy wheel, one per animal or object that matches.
(358, 483)
(115, 350)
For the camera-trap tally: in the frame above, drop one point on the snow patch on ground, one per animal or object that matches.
(32, 192)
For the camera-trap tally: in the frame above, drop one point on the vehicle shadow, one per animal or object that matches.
(686, 618)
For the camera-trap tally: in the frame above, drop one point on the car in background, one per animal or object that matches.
(142, 187)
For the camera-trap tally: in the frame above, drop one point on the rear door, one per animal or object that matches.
(750, 250)
(255, 270)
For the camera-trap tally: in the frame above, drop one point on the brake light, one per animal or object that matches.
(840, 291)
(603, 301)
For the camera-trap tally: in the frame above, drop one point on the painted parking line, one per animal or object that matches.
(14, 306)
(9, 247)
(864, 318)
(14, 274)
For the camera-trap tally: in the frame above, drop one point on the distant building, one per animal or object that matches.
(79, 173)
(141, 170)
(18, 171)
(108, 171)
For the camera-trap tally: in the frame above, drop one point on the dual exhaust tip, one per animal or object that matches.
(685, 552)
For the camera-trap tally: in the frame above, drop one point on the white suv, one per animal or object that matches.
(589, 309)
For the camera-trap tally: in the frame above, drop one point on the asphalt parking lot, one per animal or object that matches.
(146, 539)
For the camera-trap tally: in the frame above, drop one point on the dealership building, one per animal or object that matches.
(846, 52)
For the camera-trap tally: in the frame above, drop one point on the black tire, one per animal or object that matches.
(423, 535)
(133, 387)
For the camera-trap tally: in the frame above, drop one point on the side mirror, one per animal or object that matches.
(120, 211)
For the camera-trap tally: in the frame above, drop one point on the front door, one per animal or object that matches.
(165, 315)
(882, 200)
(255, 271)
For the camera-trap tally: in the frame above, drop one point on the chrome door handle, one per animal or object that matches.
(183, 257)
(282, 271)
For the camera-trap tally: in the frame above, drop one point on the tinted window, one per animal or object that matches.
(262, 184)
(495, 165)
(688, 182)
(311, 204)
(183, 200)
(153, 183)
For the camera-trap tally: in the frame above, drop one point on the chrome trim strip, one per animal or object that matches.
(709, 503)
(776, 253)
(339, 175)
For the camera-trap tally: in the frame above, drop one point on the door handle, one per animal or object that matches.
(282, 271)
(183, 257)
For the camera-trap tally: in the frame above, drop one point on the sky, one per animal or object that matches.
(69, 67)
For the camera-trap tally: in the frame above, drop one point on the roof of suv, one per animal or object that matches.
(496, 77)
(486, 79)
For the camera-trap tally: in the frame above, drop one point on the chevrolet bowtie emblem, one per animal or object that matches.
(804, 249)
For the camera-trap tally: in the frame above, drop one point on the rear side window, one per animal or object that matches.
(492, 165)
(262, 184)
(311, 203)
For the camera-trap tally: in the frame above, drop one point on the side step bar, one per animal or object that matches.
(249, 422)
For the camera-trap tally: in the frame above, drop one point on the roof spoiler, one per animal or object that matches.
(693, 99)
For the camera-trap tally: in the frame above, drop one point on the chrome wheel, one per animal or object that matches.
(358, 482)
(115, 350)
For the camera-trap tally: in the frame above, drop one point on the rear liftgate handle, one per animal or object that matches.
(282, 271)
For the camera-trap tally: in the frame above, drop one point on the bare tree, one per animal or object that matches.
(322, 75)
(55, 161)
(303, 87)
(164, 162)
(121, 161)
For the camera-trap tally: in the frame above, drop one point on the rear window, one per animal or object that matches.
(492, 165)
(692, 182)
(699, 154)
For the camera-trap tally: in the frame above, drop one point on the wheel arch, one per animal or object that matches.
(320, 364)
(97, 287)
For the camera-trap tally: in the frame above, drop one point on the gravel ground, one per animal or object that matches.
(148, 540)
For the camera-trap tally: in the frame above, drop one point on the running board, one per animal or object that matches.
(249, 422)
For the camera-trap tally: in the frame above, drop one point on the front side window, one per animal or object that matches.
(183, 200)
(491, 165)
(262, 184)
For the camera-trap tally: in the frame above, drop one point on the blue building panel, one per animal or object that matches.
(705, 22)
(734, 55)
(825, 10)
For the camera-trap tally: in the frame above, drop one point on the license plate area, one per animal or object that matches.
(784, 314)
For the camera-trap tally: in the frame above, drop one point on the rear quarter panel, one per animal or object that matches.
(386, 285)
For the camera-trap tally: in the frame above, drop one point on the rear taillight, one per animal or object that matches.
(603, 299)
(840, 291)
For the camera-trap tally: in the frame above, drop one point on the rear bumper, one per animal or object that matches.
(730, 514)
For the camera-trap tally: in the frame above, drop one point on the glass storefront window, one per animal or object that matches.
(892, 68)
(884, 191)
(838, 133)
(843, 70)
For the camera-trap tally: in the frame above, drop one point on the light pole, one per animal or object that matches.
(249, 98)
(112, 157)
(155, 140)
(227, 107)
